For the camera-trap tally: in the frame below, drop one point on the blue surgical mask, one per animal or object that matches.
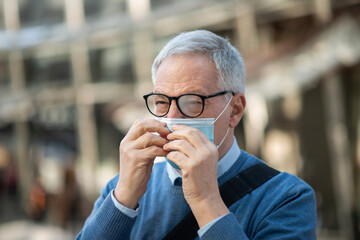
(205, 125)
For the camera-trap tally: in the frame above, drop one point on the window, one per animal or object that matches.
(113, 63)
(41, 12)
(47, 70)
(4, 73)
(2, 20)
(95, 9)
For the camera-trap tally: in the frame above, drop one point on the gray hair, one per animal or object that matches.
(228, 61)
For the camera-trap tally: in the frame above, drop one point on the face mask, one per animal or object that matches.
(205, 125)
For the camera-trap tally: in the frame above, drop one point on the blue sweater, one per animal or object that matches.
(282, 208)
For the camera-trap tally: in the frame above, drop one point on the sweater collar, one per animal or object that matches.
(225, 163)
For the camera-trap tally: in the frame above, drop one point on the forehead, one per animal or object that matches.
(187, 73)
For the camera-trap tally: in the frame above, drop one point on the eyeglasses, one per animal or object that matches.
(191, 105)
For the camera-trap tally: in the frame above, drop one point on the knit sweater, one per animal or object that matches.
(282, 208)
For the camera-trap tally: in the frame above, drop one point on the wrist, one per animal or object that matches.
(124, 198)
(208, 209)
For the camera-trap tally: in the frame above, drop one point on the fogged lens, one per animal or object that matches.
(191, 105)
(158, 104)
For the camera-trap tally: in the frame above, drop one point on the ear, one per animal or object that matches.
(238, 106)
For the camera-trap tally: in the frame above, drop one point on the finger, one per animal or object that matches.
(178, 158)
(148, 125)
(149, 139)
(181, 146)
(152, 152)
(192, 135)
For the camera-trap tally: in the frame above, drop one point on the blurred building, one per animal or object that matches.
(73, 72)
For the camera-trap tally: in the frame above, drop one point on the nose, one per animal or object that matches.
(174, 111)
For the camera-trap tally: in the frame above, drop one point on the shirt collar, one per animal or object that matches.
(224, 164)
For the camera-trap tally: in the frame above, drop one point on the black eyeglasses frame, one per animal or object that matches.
(203, 98)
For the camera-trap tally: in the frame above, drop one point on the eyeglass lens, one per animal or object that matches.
(190, 105)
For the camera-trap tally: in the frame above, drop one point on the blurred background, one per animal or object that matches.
(72, 76)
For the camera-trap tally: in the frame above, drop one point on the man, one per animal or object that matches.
(198, 76)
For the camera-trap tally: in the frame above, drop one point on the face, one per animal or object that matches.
(195, 73)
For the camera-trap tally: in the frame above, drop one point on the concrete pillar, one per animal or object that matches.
(17, 82)
(86, 121)
(341, 165)
(142, 59)
(142, 47)
(246, 29)
(323, 10)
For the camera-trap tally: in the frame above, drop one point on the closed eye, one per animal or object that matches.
(161, 102)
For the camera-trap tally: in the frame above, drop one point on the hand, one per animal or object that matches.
(197, 158)
(138, 150)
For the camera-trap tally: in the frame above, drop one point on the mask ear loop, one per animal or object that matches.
(224, 109)
(217, 146)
